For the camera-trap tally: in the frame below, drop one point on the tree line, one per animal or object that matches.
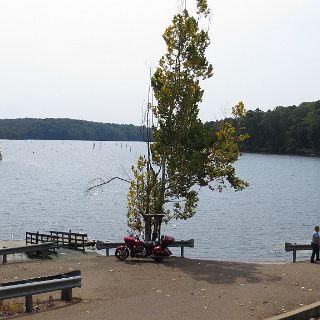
(291, 130)
(67, 129)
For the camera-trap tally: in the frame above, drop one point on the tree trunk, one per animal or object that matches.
(147, 228)
(156, 228)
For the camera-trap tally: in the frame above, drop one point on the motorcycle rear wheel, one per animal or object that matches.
(122, 253)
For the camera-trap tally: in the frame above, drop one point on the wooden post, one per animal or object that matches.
(76, 241)
(37, 237)
(29, 307)
(4, 258)
(294, 256)
(83, 246)
(107, 252)
(69, 238)
(182, 251)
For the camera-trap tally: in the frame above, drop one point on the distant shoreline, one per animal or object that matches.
(307, 154)
(284, 154)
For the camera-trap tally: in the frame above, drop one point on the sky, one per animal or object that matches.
(91, 60)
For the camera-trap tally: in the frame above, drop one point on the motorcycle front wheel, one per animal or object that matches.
(122, 253)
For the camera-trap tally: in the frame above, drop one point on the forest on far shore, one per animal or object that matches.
(293, 129)
(284, 130)
(67, 129)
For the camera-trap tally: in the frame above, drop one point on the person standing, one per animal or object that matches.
(315, 245)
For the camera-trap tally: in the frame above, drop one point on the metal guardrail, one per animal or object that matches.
(294, 247)
(44, 278)
(43, 247)
(112, 245)
(29, 287)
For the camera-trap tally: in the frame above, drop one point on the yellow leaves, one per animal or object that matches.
(239, 110)
(226, 134)
(225, 150)
(242, 137)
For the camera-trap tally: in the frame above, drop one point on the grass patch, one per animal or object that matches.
(13, 307)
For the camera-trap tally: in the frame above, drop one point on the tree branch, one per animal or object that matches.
(105, 182)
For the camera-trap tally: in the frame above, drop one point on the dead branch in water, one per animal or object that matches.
(105, 182)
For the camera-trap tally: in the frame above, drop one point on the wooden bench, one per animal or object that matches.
(27, 288)
(112, 245)
(294, 247)
(43, 248)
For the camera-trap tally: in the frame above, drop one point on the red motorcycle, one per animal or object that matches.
(142, 249)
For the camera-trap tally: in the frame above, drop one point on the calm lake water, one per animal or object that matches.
(43, 183)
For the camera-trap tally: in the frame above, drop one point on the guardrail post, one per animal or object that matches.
(294, 256)
(29, 306)
(182, 251)
(66, 294)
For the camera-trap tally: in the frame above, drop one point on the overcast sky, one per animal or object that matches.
(90, 59)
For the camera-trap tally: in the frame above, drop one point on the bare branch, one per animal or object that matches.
(125, 171)
(105, 182)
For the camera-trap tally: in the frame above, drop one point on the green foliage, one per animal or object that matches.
(67, 129)
(143, 195)
(203, 8)
(185, 155)
(291, 129)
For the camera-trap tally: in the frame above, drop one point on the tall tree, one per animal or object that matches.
(184, 155)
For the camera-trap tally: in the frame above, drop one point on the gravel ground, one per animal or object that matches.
(178, 288)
